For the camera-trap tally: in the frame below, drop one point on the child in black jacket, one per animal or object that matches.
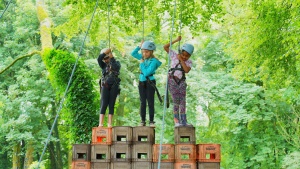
(109, 84)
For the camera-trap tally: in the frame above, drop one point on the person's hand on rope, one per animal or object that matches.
(141, 43)
(108, 55)
(179, 56)
(108, 51)
(178, 39)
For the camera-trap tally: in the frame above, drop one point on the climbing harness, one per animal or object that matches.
(154, 86)
(177, 68)
(109, 74)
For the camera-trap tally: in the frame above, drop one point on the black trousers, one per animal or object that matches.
(109, 95)
(147, 92)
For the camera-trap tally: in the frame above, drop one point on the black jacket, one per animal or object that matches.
(110, 70)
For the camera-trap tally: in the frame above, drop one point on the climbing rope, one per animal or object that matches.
(67, 88)
(108, 22)
(5, 9)
(166, 93)
(143, 4)
(180, 25)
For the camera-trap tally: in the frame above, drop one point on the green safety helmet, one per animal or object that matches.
(148, 45)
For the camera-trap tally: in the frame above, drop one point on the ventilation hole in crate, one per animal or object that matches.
(184, 138)
(210, 156)
(185, 156)
(121, 138)
(142, 138)
(164, 157)
(142, 156)
(101, 139)
(81, 155)
(100, 156)
(121, 155)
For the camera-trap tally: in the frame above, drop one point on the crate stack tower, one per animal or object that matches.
(126, 147)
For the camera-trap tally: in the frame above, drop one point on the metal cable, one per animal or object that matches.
(67, 88)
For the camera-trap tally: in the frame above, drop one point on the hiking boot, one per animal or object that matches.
(151, 124)
(142, 123)
(184, 121)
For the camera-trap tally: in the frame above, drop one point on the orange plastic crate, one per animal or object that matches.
(167, 152)
(185, 153)
(163, 165)
(101, 135)
(187, 165)
(81, 165)
(208, 152)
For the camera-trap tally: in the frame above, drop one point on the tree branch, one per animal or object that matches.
(19, 58)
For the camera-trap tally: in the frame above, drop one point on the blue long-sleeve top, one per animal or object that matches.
(110, 70)
(148, 67)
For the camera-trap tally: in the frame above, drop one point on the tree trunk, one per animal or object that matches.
(16, 156)
(29, 155)
(45, 25)
(59, 162)
(56, 145)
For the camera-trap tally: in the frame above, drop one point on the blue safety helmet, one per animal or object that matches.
(188, 48)
(148, 45)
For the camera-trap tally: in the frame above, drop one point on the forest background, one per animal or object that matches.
(243, 89)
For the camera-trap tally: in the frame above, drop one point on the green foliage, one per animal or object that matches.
(271, 53)
(291, 161)
(81, 106)
(256, 124)
(27, 104)
(242, 116)
(127, 19)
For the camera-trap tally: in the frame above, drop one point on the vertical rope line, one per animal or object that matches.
(166, 92)
(67, 88)
(108, 22)
(143, 3)
(180, 24)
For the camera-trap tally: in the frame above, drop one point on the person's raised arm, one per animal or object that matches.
(135, 53)
(167, 46)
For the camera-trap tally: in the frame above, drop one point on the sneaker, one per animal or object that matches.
(109, 125)
(177, 125)
(100, 125)
(187, 125)
(151, 124)
(142, 123)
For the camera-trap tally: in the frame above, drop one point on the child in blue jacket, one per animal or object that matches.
(147, 83)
